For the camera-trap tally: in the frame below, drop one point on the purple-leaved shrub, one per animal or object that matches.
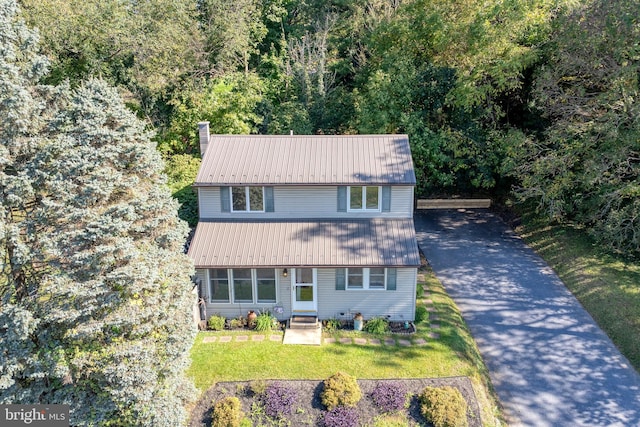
(341, 416)
(279, 401)
(389, 396)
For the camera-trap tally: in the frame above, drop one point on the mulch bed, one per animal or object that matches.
(309, 409)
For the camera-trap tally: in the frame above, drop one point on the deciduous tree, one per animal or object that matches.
(586, 166)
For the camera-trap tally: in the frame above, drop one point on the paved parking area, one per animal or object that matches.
(550, 364)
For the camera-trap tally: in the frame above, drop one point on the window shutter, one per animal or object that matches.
(342, 199)
(386, 198)
(268, 199)
(392, 273)
(340, 279)
(225, 200)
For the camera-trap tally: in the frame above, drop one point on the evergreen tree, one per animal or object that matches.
(95, 292)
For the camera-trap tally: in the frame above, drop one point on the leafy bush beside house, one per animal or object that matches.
(216, 323)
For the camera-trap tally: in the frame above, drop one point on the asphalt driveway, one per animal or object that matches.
(550, 364)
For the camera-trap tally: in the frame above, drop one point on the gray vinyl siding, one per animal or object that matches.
(306, 202)
(209, 202)
(231, 310)
(398, 304)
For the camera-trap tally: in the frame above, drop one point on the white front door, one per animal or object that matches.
(304, 293)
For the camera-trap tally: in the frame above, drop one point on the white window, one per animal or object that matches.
(367, 278)
(242, 285)
(247, 199)
(363, 198)
(377, 278)
(266, 284)
(219, 285)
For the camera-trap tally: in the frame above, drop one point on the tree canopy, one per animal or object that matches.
(537, 96)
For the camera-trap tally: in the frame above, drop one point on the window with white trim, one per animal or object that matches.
(366, 278)
(266, 284)
(363, 198)
(377, 278)
(247, 199)
(219, 285)
(242, 285)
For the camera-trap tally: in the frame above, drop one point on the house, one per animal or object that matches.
(299, 224)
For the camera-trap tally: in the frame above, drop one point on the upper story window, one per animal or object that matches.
(363, 198)
(247, 199)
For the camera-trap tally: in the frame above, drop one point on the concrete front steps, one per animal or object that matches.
(304, 329)
(304, 321)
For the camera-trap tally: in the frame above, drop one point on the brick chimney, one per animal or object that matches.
(203, 132)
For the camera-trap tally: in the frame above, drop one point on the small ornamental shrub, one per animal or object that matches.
(341, 416)
(227, 413)
(443, 406)
(265, 321)
(238, 323)
(216, 323)
(258, 387)
(377, 325)
(340, 389)
(279, 401)
(421, 314)
(332, 325)
(389, 396)
(419, 292)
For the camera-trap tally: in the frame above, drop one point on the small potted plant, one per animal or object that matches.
(358, 322)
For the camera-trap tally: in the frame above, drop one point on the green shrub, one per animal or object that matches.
(332, 325)
(377, 325)
(443, 406)
(238, 322)
(421, 314)
(258, 387)
(216, 322)
(340, 389)
(265, 321)
(419, 292)
(227, 413)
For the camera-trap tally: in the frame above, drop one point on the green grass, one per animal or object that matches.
(268, 360)
(453, 354)
(607, 286)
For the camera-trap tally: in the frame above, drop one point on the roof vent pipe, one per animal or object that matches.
(203, 132)
(291, 132)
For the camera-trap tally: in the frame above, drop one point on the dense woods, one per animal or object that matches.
(535, 98)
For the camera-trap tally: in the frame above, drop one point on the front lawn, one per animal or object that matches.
(452, 354)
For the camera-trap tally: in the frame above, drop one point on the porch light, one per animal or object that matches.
(285, 272)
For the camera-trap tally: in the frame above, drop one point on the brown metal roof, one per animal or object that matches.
(274, 243)
(307, 159)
